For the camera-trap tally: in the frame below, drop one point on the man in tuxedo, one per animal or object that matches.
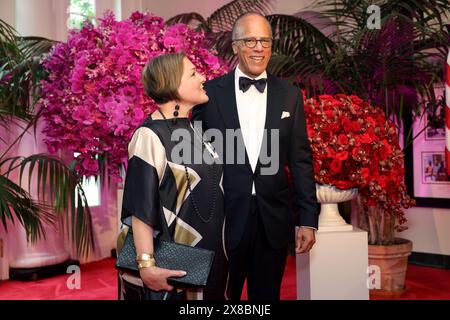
(259, 223)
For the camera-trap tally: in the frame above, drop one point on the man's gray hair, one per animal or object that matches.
(235, 33)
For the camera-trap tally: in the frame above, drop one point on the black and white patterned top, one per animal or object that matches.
(156, 190)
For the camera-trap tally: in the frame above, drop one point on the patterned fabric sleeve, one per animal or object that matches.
(146, 165)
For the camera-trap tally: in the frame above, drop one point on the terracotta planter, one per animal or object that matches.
(393, 262)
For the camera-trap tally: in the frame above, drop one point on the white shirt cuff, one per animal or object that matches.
(309, 227)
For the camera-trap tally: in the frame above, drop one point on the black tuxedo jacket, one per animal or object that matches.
(272, 192)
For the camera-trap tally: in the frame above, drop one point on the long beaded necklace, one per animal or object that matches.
(188, 179)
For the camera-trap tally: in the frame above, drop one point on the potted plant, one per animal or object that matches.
(393, 67)
(57, 184)
(354, 145)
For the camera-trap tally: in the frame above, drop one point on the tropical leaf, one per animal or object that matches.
(190, 19)
(32, 47)
(17, 204)
(20, 72)
(300, 72)
(300, 51)
(351, 15)
(222, 43)
(298, 37)
(8, 41)
(223, 18)
(55, 186)
(219, 24)
(59, 192)
(7, 32)
(394, 65)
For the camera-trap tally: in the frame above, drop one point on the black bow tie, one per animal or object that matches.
(245, 83)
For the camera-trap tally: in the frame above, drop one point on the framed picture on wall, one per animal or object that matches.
(435, 133)
(426, 177)
(434, 168)
(435, 129)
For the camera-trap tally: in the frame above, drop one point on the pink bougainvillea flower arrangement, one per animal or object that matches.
(354, 145)
(93, 98)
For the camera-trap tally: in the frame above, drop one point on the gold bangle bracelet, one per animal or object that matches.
(145, 261)
(145, 257)
(146, 264)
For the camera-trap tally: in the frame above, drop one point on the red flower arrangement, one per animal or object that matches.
(354, 145)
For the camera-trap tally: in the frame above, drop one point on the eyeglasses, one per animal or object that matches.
(251, 42)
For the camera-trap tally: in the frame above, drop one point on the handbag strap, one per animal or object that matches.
(214, 174)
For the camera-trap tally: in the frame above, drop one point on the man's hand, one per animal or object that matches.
(304, 240)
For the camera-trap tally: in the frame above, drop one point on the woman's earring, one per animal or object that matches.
(175, 113)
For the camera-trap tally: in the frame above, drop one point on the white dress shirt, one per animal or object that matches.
(251, 107)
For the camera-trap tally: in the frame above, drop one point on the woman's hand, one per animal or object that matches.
(156, 278)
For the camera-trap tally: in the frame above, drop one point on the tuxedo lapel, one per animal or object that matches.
(227, 102)
(273, 113)
(228, 109)
(274, 97)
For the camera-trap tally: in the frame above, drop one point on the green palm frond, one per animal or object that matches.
(219, 24)
(299, 48)
(222, 43)
(35, 47)
(20, 71)
(31, 47)
(8, 41)
(223, 18)
(59, 192)
(351, 15)
(103, 175)
(17, 204)
(300, 71)
(7, 32)
(192, 18)
(424, 11)
(395, 64)
(19, 91)
(58, 186)
(8, 120)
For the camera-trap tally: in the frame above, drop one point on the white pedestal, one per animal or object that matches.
(336, 267)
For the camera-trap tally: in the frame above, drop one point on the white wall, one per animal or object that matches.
(428, 229)
(44, 18)
(7, 11)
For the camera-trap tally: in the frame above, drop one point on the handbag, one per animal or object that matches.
(197, 262)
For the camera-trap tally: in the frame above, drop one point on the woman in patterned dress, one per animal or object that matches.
(165, 186)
